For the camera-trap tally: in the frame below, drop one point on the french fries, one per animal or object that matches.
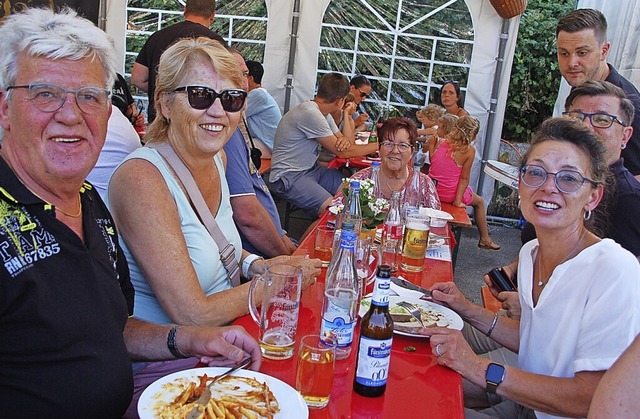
(233, 397)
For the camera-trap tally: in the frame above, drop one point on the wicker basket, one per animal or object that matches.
(509, 8)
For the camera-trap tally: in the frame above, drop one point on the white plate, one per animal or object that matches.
(434, 213)
(451, 317)
(335, 209)
(292, 405)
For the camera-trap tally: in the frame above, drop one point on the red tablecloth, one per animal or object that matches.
(354, 162)
(417, 386)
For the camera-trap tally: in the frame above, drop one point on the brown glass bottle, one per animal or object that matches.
(376, 335)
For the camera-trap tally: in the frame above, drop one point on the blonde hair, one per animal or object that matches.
(447, 122)
(464, 132)
(432, 111)
(174, 64)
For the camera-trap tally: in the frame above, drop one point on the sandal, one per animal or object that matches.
(490, 246)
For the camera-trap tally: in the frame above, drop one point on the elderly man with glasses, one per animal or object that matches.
(68, 337)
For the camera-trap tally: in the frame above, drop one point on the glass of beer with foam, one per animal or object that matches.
(414, 245)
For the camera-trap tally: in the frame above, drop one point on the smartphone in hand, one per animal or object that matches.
(501, 280)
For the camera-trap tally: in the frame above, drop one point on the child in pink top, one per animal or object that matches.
(451, 161)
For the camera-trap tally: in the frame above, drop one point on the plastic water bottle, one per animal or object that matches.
(392, 230)
(339, 306)
(375, 171)
(352, 211)
(413, 193)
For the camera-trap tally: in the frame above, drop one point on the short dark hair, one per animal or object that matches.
(581, 19)
(574, 132)
(202, 8)
(333, 86)
(255, 70)
(393, 125)
(359, 80)
(603, 88)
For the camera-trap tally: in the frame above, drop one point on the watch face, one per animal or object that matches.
(495, 373)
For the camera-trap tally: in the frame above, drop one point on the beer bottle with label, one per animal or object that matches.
(376, 335)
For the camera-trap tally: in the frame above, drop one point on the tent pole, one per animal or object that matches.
(504, 36)
(102, 15)
(292, 55)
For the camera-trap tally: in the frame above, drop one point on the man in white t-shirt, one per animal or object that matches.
(296, 174)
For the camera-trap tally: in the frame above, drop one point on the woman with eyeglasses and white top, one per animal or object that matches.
(397, 142)
(580, 295)
(175, 265)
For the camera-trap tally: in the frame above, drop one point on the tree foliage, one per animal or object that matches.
(535, 77)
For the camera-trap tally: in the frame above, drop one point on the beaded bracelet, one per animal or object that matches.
(171, 343)
(493, 325)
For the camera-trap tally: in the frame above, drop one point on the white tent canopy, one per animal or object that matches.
(482, 75)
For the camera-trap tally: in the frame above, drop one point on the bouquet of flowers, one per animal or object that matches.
(374, 210)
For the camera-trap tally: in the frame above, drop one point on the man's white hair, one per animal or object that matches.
(40, 32)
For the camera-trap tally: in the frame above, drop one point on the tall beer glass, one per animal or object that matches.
(416, 238)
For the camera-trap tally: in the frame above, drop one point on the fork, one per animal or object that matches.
(413, 310)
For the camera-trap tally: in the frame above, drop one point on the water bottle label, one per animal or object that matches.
(373, 361)
(348, 240)
(340, 329)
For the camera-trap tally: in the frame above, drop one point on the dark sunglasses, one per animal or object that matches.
(201, 97)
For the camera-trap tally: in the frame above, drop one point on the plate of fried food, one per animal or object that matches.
(244, 394)
(432, 315)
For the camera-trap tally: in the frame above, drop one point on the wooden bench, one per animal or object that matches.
(490, 302)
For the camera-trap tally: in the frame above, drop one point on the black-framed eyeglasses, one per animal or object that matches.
(598, 119)
(390, 145)
(567, 181)
(50, 97)
(200, 97)
(363, 95)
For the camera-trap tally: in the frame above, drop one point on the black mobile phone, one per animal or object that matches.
(501, 280)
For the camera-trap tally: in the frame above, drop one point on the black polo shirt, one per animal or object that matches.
(63, 308)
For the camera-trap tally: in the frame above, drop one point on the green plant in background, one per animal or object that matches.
(535, 77)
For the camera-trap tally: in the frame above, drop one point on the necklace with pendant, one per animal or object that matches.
(386, 181)
(543, 283)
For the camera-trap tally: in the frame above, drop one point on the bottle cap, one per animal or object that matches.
(375, 163)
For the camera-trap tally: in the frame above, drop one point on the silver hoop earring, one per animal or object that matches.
(623, 146)
(586, 215)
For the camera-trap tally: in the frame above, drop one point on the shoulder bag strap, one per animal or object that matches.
(227, 250)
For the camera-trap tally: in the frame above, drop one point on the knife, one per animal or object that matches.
(198, 409)
(401, 282)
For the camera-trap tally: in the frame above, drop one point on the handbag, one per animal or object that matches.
(256, 154)
(227, 250)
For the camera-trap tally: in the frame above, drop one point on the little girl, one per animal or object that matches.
(451, 161)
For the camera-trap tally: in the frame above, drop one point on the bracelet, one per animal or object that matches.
(247, 262)
(493, 325)
(171, 343)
